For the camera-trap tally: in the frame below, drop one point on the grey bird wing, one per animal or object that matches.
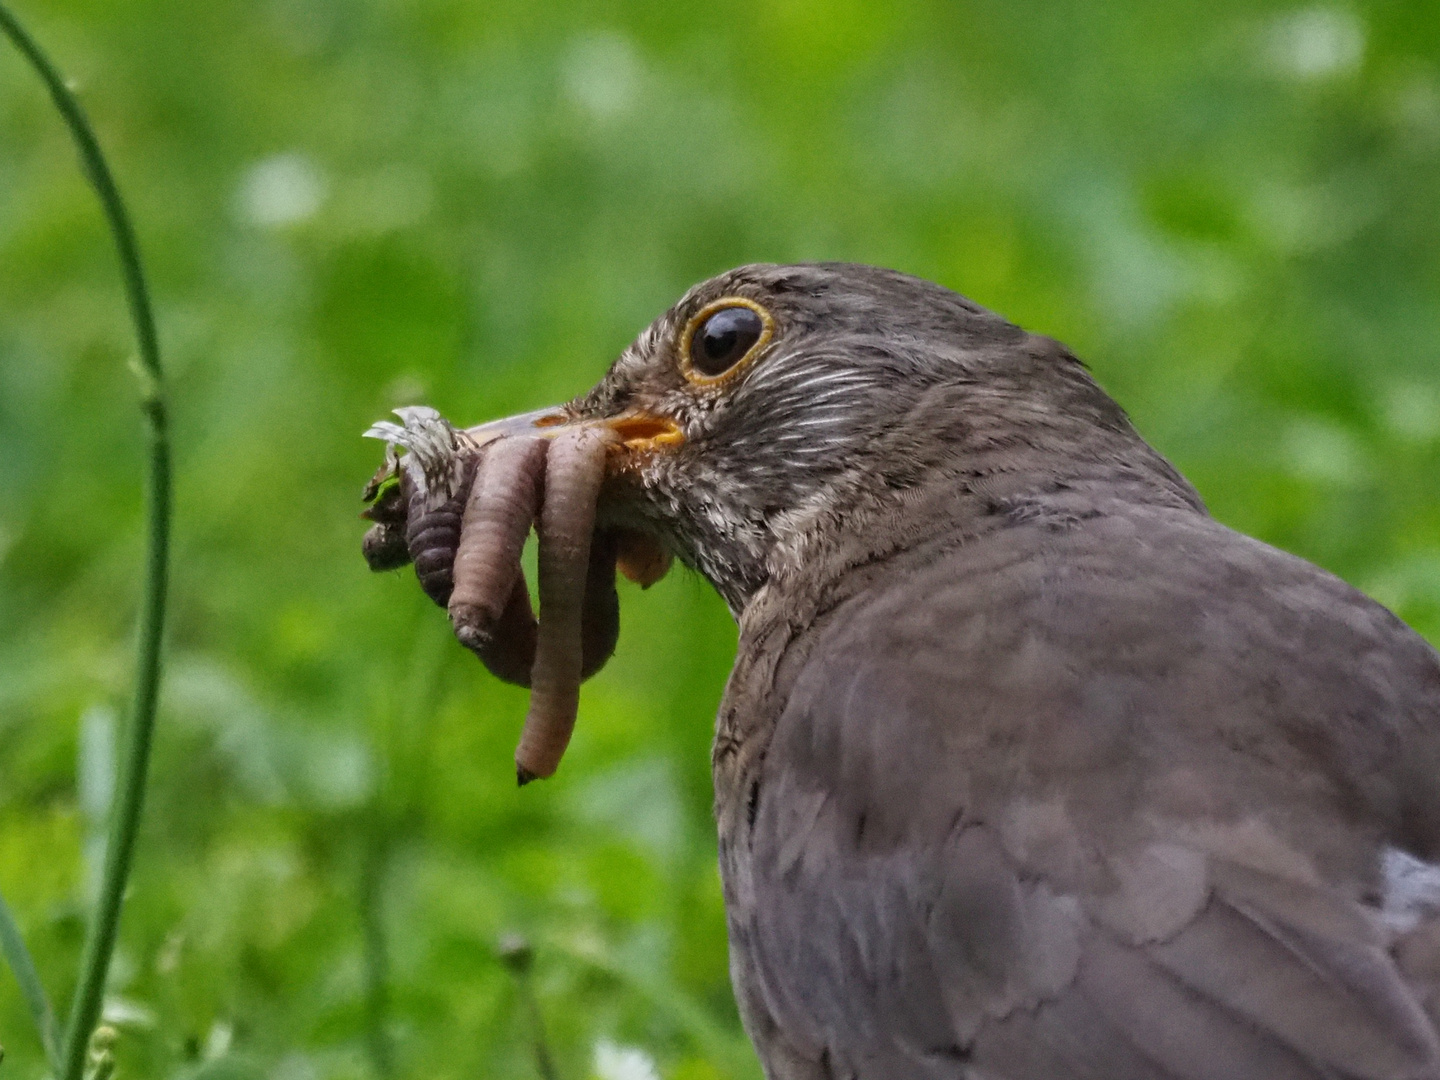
(1113, 802)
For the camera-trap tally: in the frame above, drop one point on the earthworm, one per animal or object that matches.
(461, 507)
(574, 469)
(490, 605)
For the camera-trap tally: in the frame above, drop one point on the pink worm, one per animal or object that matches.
(490, 605)
(579, 611)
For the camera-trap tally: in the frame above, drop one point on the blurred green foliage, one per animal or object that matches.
(1231, 210)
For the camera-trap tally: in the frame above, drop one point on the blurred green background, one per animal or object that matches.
(1231, 210)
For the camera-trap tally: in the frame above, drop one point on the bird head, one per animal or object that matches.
(776, 407)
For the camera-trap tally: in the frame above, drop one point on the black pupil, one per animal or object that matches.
(724, 338)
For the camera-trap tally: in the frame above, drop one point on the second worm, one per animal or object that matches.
(575, 468)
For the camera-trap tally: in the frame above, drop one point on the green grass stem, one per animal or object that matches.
(100, 937)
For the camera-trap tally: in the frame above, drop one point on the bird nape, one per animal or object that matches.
(1027, 768)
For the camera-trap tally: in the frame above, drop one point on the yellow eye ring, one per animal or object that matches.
(736, 330)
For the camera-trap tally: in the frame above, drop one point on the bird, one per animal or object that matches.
(1028, 768)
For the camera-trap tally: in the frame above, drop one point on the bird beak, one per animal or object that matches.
(546, 423)
(638, 432)
(640, 557)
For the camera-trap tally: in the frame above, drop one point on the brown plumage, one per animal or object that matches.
(1028, 769)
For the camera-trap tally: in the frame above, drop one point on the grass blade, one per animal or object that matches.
(18, 957)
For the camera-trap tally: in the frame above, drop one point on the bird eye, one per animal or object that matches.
(724, 339)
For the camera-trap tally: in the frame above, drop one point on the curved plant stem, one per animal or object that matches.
(517, 956)
(100, 939)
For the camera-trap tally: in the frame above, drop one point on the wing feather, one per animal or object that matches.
(1063, 827)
